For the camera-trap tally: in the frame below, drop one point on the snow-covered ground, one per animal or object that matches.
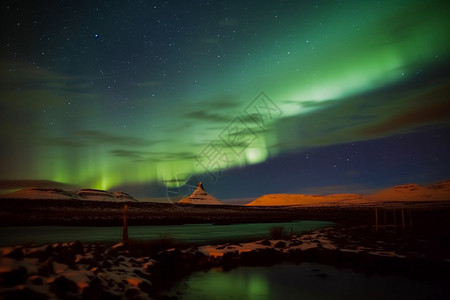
(95, 271)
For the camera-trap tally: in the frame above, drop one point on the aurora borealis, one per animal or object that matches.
(115, 95)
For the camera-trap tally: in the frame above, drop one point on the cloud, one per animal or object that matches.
(27, 183)
(131, 154)
(101, 137)
(400, 108)
(18, 75)
(84, 138)
(431, 113)
(64, 142)
(174, 156)
(142, 156)
(204, 115)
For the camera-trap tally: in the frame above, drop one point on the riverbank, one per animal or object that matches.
(20, 212)
(146, 270)
(188, 233)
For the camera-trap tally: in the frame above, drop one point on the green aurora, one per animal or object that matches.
(118, 114)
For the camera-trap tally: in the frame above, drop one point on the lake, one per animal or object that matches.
(305, 281)
(192, 233)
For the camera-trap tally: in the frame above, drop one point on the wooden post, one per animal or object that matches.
(410, 220)
(376, 219)
(395, 219)
(403, 219)
(125, 224)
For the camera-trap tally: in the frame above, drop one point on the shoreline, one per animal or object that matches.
(418, 247)
(148, 269)
(106, 214)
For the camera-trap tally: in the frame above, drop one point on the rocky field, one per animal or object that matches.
(146, 270)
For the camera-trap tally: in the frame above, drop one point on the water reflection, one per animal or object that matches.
(305, 281)
(193, 233)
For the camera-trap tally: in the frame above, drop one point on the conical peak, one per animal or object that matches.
(200, 196)
(200, 185)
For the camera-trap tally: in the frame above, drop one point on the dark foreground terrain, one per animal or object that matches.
(147, 270)
(16, 212)
(407, 239)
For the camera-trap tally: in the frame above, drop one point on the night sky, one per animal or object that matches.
(252, 97)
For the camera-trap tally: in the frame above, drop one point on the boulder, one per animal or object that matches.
(25, 293)
(13, 277)
(63, 287)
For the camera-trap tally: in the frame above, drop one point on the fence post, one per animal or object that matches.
(403, 219)
(376, 219)
(410, 220)
(395, 219)
(125, 224)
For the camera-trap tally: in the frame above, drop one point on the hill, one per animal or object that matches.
(401, 193)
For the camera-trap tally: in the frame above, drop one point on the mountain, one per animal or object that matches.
(299, 199)
(200, 196)
(413, 192)
(100, 195)
(42, 193)
(408, 192)
(46, 193)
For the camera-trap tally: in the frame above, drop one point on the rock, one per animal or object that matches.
(111, 253)
(132, 294)
(134, 262)
(120, 246)
(35, 279)
(16, 254)
(106, 264)
(119, 259)
(77, 247)
(145, 287)
(56, 247)
(25, 293)
(15, 276)
(46, 268)
(171, 263)
(94, 290)
(230, 260)
(151, 267)
(65, 256)
(42, 254)
(265, 243)
(142, 274)
(62, 286)
(280, 244)
(295, 243)
(89, 261)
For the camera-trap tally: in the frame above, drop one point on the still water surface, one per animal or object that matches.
(192, 233)
(305, 281)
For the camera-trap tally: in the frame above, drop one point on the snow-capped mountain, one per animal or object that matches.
(44, 193)
(413, 192)
(100, 195)
(200, 196)
(408, 192)
(300, 199)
